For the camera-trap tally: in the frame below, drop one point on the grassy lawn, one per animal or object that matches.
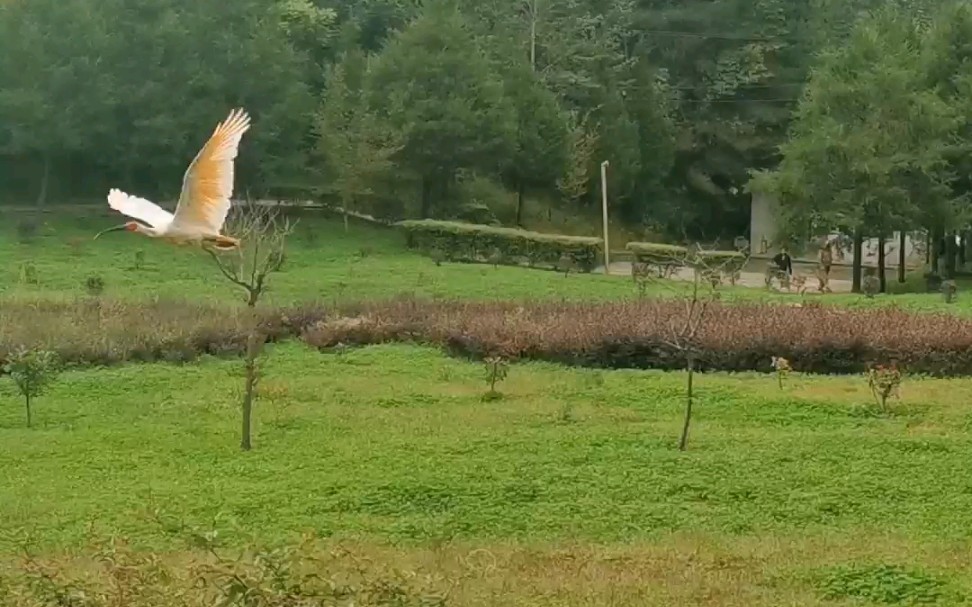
(393, 446)
(569, 490)
(324, 263)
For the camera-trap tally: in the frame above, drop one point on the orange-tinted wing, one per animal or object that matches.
(208, 183)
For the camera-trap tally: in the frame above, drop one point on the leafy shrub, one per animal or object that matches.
(496, 371)
(949, 291)
(94, 285)
(27, 230)
(664, 259)
(888, 584)
(470, 242)
(32, 372)
(28, 273)
(667, 258)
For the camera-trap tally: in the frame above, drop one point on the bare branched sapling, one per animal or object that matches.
(686, 329)
(263, 237)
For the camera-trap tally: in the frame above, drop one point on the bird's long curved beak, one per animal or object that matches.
(114, 229)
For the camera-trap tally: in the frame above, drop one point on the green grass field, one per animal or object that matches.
(569, 490)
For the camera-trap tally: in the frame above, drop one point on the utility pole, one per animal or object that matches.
(607, 259)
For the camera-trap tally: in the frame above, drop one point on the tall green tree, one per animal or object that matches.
(436, 87)
(56, 97)
(539, 153)
(355, 147)
(869, 135)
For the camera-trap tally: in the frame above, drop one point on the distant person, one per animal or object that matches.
(784, 262)
(825, 260)
(784, 267)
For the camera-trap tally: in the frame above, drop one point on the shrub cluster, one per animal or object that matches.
(638, 334)
(104, 331)
(629, 334)
(468, 242)
(666, 258)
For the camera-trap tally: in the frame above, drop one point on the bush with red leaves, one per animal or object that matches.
(638, 334)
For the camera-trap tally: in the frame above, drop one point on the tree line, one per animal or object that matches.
(880, 139)
(460, 108)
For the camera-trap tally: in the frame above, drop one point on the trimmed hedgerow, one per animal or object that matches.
(104, 331)
(817, 339)
(630, 334)
(468, 242)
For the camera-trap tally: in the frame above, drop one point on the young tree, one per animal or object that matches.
(32, 371)
(356, 149)
(686, 330)
(263, 235)
(435, 87)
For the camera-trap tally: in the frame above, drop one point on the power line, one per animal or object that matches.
(716, 36)
(742, 86)
(751, 100)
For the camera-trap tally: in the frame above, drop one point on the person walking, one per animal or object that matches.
(784, 265)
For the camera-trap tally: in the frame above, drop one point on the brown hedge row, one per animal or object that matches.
(104, 331)
(631, 334)
(636, 334)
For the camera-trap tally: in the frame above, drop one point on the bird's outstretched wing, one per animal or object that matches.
(208, 183)
(139, 208)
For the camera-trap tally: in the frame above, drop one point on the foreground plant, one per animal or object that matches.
(496, 371)
(262, 252)
(782, 368)
(32, 372)
(300, 575)
(884, 381)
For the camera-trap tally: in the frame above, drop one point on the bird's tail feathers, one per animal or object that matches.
(225, 242)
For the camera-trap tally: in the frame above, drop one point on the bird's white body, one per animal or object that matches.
(205, 199)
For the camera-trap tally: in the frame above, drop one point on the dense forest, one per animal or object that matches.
(856, 113)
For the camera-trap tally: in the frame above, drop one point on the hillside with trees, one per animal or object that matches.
(854, 112)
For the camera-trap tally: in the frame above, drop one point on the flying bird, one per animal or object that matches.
(205, 199)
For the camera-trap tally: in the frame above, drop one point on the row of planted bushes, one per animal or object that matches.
(635, 334)
(467, 242)
(666, 257)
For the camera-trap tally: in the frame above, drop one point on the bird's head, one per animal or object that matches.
(129, 226)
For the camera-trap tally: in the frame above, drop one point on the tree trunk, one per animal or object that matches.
(937, 236)
(426, 197)
(45, 182)
(245, 441)
(950, 252)
(519, 202)
(901, 255)
(882, 278)
(690, 367)
(858, 255)
(28, 409)
(533, 36)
